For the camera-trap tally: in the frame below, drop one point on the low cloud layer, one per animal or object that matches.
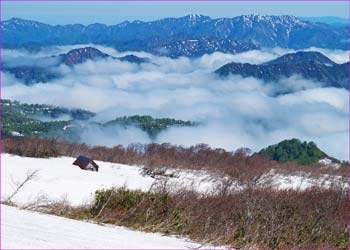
(234, 112)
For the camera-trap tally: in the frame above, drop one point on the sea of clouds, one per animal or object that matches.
(233, 112)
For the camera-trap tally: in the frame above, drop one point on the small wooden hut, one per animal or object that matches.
(86, 163)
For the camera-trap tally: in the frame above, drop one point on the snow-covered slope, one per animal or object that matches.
(57, 179)
(30, 230)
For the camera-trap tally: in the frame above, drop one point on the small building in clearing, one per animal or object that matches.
(86, 163)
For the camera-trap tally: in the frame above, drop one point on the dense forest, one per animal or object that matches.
(295, 151)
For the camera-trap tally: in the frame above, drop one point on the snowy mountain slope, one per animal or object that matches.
(30, 230)
(199, 47)
(58, 179)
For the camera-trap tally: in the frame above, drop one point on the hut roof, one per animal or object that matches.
(82, 161)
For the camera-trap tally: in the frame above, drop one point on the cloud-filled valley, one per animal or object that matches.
(232, 112)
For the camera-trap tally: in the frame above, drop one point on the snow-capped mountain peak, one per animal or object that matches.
(284, 31)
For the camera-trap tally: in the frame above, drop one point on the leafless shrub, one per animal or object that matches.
(31, 175)
(252, 218)
(39, 203)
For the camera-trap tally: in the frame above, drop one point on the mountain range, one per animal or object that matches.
(191, 35)
(310, 65)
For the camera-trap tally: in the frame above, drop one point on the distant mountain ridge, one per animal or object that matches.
(81, 55)
(44, 73)
(259, 30)
(310, 65)
(201, 46)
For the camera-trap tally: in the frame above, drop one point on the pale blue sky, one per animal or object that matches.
(116, 12)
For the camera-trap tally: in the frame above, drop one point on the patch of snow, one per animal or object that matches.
(328, 65)
(15, 133)
(69, 126)
(300, 181)
(329, 163)
(30, 230)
